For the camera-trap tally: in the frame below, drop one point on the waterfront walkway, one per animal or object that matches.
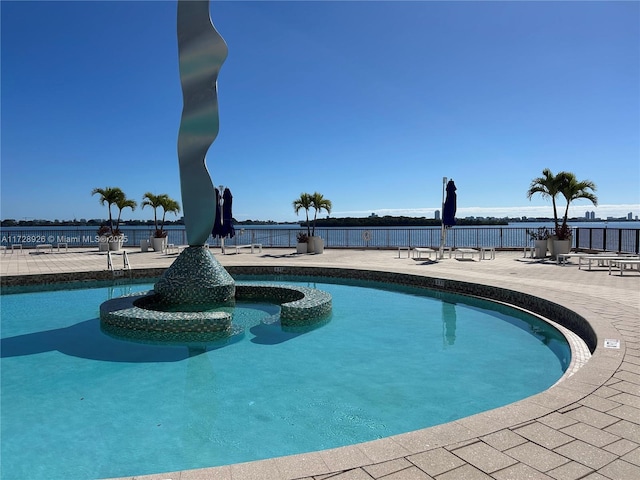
(585, 427)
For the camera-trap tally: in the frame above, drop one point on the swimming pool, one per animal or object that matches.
(79, 404)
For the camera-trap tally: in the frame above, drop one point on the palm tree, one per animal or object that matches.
(572, 189)
(169, 205)
(123, 203)
(547, 186)
(160, 201)
(319, 203)
(303, 202)
(110, 196)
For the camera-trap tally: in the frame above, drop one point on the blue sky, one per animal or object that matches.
(369, 103)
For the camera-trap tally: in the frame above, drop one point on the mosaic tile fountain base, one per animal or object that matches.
(143, 316)
(195, 277)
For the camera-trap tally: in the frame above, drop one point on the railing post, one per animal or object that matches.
(619, 240)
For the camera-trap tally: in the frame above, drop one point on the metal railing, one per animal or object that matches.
(587, 238)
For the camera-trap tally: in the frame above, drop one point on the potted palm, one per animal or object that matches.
(303, 202)
(565, 184)
(112, 196)
(302, 239)
(104, 233)
(571, 189)
(117, 239)
(159, 239)
(548, 187)
(319, 203)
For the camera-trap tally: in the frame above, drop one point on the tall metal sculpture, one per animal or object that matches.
(196, 276)
(201, 52)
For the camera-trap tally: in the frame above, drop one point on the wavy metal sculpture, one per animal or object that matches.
(201, 52)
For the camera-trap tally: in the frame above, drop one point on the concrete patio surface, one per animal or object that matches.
(585, 427)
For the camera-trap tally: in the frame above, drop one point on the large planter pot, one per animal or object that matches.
(550, 245)
(103, 244)
(115, 243)
(318, 245)
(301, 247)
(540, 249)
(561, 246)
(311, 244)
(158, 243)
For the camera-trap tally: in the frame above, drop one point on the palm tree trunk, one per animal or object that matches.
(566, 215)
(110, 219)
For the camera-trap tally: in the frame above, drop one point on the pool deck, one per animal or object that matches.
(585, 427)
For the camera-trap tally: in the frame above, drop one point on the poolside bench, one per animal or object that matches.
(252, 246)
(418, 251)
(604, 260)
(622, 264)
(467, 251)
(44, 246)
(408, 249)
(561, 258)
(487, 253)
(170, 247)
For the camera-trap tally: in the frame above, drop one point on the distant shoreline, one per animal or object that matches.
(386, 221)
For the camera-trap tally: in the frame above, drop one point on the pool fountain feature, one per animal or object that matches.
(193, 303)
(184, 305)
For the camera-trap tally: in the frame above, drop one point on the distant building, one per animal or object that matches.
(630, 216)
(437, 215)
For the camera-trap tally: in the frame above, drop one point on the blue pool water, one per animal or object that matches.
(77, 404)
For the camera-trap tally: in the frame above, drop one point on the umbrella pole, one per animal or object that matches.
(442, 230)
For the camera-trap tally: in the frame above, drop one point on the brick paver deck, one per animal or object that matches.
(585, 427)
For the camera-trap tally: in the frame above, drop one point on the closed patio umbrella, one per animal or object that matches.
(449, 210)
(449, 206)
(217, 231)
(227, 215)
